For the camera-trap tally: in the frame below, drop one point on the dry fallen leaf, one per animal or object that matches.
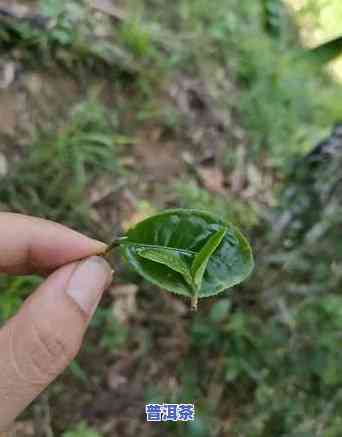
(7, 74)
(212, 178)
(118, 373)
(107, 7)
(101, 189)
(141, 211)
(124, 305)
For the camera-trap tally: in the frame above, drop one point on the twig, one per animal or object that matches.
(107, 7)
(113, 244)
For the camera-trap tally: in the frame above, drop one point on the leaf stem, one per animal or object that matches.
(115, 243)
(194, 300)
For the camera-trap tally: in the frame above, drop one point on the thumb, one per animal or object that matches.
(43, 338)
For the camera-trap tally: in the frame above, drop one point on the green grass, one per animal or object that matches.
(77, 37)
(278, 100)
(112, 334)
(52, 179)
(81, 430)
(284, 113)
(278, 103)
(189, 195)
(13, 291)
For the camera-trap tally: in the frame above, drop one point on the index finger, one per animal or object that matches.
(33, 245)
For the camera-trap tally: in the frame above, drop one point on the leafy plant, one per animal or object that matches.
(326, 52)
(112, 334)
(67, 160)
(82, 430)
(15, 291)
(188, 252)
(188, 194)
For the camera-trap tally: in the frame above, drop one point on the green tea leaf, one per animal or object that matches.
(202, 258)
(177, 245)
(172, 258)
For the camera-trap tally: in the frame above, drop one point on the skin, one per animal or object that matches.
(39, 342)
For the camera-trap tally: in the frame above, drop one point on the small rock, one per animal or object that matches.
(3, 165)
(23, 428)
(114, 380)
(7, 74)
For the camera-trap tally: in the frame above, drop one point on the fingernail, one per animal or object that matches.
(87, 283)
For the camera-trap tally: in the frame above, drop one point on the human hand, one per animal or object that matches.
(39, 342)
